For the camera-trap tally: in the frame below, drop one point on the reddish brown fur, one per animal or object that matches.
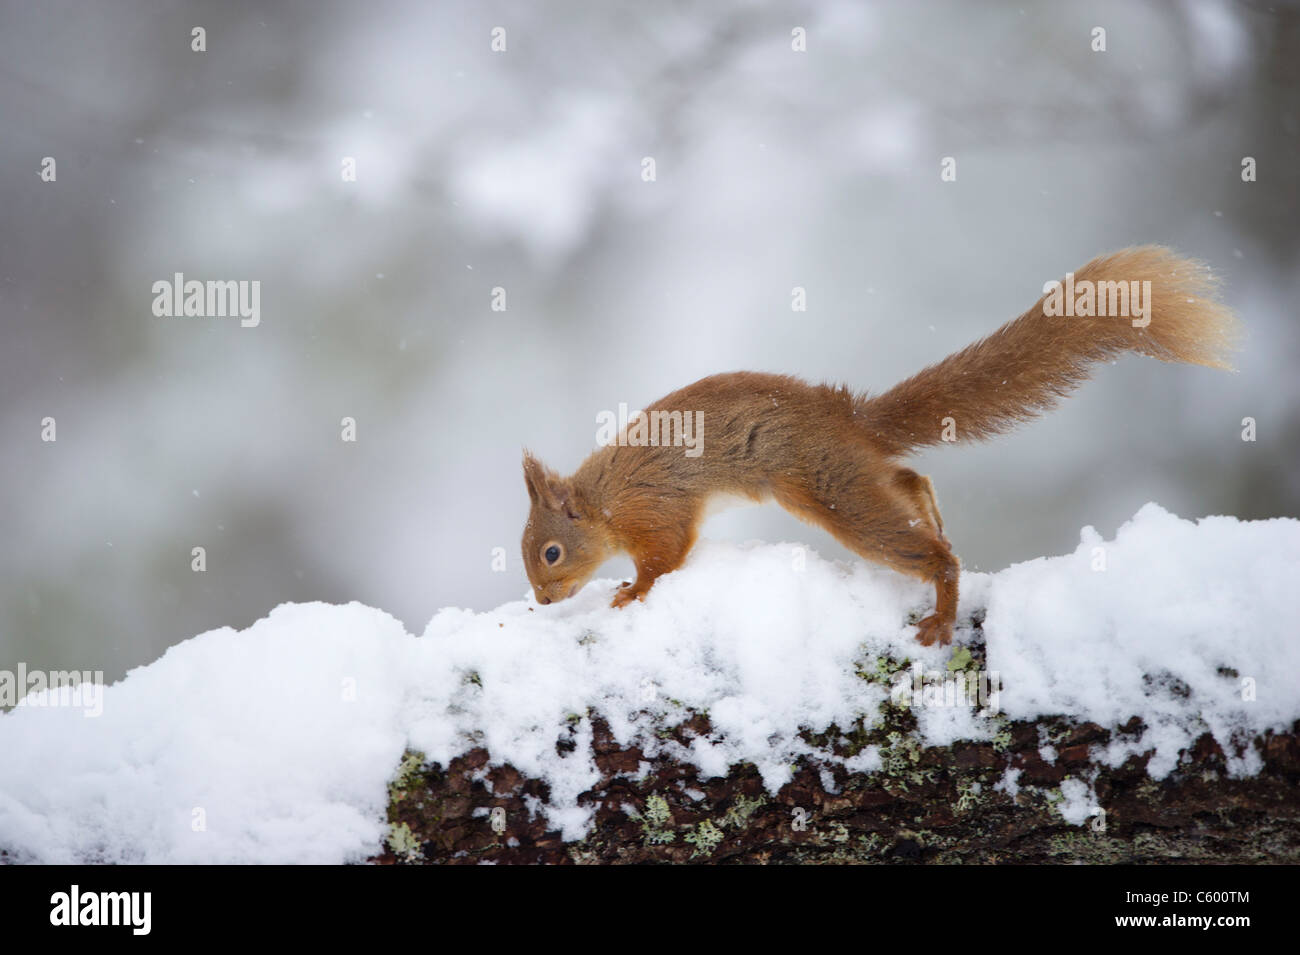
(829, 456)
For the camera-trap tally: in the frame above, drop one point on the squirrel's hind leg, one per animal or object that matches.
(895, 522)
(920, 489)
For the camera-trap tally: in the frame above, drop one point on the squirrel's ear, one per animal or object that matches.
(533, 476)
(544, 488)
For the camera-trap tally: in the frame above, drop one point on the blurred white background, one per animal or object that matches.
(522, 169)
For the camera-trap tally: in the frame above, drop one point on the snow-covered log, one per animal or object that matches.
(1136, 700)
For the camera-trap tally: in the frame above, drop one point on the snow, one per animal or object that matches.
(1010, 782)
(276, 744)
(1179, 608)
(1078, 802)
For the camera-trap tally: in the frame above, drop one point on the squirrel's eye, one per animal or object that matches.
(552, 553)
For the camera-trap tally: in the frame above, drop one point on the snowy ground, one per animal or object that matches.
(275, 744)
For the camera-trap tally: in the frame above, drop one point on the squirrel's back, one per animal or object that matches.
(738, 426)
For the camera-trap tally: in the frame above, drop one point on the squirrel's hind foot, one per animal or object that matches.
(934, 629)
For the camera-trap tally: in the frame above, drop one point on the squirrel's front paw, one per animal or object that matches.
(627, 592)
(934, 629)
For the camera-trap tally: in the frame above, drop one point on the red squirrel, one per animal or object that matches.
(830, 455)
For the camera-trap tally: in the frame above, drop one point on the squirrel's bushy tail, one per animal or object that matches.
(1028, 364)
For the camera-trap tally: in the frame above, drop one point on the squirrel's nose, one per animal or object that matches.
(543, 600)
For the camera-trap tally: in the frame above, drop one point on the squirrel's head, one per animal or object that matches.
(563, 548)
